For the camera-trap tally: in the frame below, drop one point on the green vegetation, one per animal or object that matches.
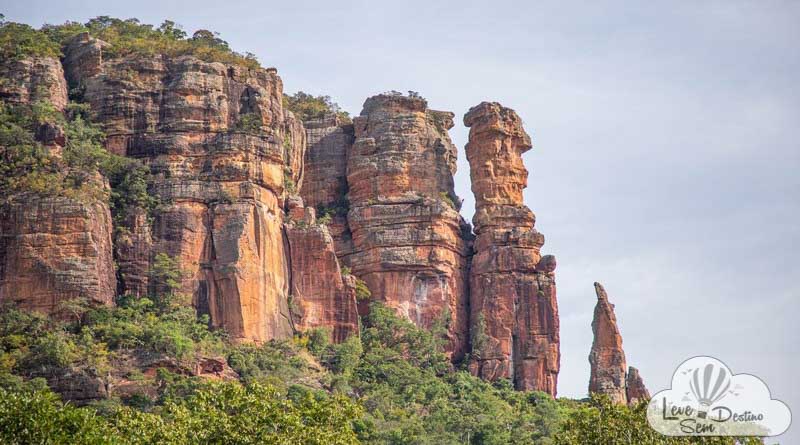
(307, 106)
(125, 37)
(250, 123)
(27, 167)
(601, 422)
(391, 385)
(18, 40)
(447, 199)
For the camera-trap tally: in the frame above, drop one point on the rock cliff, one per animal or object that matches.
(320, 296)
(610, 374)
(410, 244)
(268, 216)
(52, 248)
(514, 312)
(222, 151)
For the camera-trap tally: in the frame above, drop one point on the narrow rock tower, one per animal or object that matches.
(610, 373)
(607, 357)
(410, 245)
(513, 308)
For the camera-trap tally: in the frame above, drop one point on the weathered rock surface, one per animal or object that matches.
(325, 182)
(514, 311)
(33, 79)
(410, 245)
(635, 391)
(607, 358)
(221, 184)
(52, 248)
(320, 296)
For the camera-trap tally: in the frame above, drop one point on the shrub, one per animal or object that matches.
(306, 106)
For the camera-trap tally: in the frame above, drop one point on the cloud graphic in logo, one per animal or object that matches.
(707, 399)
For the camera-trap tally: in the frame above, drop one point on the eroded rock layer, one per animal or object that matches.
(607, 358)
(52, 248)
(320, 296)
(514, 312)
(410, 245)
(325, 183)
(222, 150)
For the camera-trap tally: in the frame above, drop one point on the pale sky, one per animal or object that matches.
(666, 154)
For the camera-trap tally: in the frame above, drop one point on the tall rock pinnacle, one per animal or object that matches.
(610, 373)
(607, 357)
(514, 312)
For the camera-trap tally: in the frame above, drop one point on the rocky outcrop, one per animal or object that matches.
(33, 79)
(410, 245)
(222, 151)
(514, 312)
(52, 248)
(320, 296)
(635, 391)
(607, 357)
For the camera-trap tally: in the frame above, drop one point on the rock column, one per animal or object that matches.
(514, 312)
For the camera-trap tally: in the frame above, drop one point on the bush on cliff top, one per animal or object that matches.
(307, 106)
(125, 37)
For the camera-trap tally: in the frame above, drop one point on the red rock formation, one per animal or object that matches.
(52, 248)
(409, 240)
(607, 357)
(33, 79)
(514, 312)
(320, 296)
(223, 151)
(635, 391)
(325, 183)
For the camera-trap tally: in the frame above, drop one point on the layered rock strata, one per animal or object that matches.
(410, 244)
(222, 151)
(514, 312)
(320, 296)
(52, 248)
(325, 187)
(610, 374)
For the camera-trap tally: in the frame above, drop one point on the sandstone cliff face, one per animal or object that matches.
(52, 248)
(325, 182)
(221, 183)
(33, 79)
(320, 296)
(514, 312)
(410, 245)
(607, 357)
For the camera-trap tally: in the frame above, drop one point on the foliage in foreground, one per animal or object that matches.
(393, 385)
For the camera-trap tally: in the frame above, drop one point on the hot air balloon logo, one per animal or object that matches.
(709, 385)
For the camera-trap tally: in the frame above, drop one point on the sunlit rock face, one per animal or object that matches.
(607, 357)
(52, 248)
(321, 297)
(221, 184)
(513, 307)
(410, 244)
